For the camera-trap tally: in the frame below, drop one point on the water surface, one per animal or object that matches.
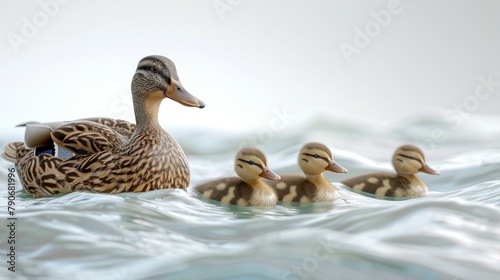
(451, 233)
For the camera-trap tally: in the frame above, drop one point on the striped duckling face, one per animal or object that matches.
(316, 158)
(156, 77)
(251, 165)
(409, 160)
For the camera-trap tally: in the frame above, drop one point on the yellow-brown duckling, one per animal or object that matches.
(314, 159)
(407, 160)
(247, 190)
(106, 155)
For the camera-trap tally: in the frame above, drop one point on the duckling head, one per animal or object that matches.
(316, 158)
(156, 78)
(409, 159)
(251, 165)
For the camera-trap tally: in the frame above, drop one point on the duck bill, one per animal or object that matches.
(269, 174)
(177, 93)
(335, 167)
(429, 170)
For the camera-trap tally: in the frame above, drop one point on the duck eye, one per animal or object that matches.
(154, 69)
(411, 157)
(251, 162)
(316, 156)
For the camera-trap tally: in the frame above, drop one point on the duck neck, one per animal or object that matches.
(146, 113)
(317, 179)
(254, 182)
(408, 176)
(413, 178)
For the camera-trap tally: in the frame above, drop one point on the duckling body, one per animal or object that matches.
(388, 184)
(407, 161)
(109, 155)
(234, 191)
(294, 188)
(247, 189)
(314, 159)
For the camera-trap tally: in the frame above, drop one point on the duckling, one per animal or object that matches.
(314, 159)
(407, 161)
(247, 190)
(107, 155)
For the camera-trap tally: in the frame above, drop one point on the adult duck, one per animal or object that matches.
(107, 155)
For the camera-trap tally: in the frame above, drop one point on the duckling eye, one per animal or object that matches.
(316, 156)
(154, 69)
(251, 162)
(411, 157)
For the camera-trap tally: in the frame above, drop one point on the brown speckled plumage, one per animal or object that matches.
(314, 159)
(248, 189)
(111, 155)
(296, 188)
(235, 192)
(407, 161)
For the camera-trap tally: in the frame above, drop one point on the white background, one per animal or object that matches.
(249, 60)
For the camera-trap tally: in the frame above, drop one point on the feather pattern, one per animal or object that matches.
(314, 159)
(247, 189)
(87, 137)
(407, 161)
(111, 155)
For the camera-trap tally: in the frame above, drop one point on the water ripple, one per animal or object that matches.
(453, 232)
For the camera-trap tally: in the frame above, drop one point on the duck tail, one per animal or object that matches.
(14, 151)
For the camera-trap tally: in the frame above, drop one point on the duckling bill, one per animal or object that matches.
(407, 160)
(314, 159)
(248, 189)
(107, 155)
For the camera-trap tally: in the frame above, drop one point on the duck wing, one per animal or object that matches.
(123, 127)
(87, 137)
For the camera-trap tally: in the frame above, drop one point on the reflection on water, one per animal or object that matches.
(453, 232)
